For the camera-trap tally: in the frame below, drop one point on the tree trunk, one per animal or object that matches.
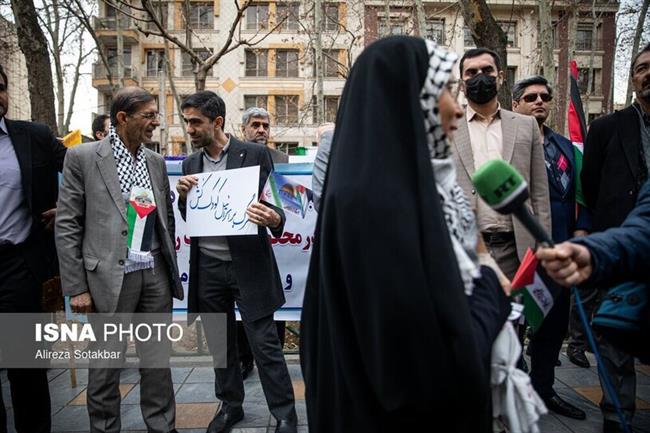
(318, 62)
(635, 45)
(488, 34)
(547, 45)
(177, 98)
(39, 72)
(199, 78)
(422, 18)
(594, 46)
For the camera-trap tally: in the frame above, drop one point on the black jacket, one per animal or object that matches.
(252, 257)
(40, 157)
(613, 168)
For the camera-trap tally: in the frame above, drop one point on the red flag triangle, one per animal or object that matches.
(526, 273)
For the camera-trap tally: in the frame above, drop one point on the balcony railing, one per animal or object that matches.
(111, 23)
(100, 72)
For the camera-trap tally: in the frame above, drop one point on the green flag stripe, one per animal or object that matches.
(131, 217)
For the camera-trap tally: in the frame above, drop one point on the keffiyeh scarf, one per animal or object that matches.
(135, 183)
(455, 206)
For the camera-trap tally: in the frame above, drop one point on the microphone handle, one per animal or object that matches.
(533, 226)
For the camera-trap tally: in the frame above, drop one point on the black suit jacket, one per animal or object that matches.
(252, 257)
(613, 168)
(40, 157)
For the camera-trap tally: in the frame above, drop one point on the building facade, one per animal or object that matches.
(13, 63)
(274, 67)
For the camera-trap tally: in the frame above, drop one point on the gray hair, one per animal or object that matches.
(521, 85)
(254, 112)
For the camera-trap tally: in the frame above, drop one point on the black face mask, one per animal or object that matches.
(481, 88)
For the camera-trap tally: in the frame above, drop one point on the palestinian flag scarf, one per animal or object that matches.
(135, 183)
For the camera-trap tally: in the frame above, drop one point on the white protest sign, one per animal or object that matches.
(217, 205)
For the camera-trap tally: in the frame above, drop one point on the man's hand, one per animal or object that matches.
(263, 215)
(47, 218)
(568, 264)
(82, 303)
(184, 184)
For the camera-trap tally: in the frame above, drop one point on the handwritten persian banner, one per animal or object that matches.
(217, 205)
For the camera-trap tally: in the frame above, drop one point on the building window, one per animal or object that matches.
(259, 101)
(286, 63)
(583, 81)
(286, 110)
(287, 147)
(331, 64)
(392, 26)
(256, 63)
(584, 35)
(511, 76)
(257, 17)
(289, 13)
(202, 15)
(468, 41)
(435, 29)
(510, 29)
(188, 67)
(111, 54)
(161, 11)
(330, 17)
(155, 62)
(331, 106)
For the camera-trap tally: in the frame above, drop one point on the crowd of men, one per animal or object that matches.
(103, 270)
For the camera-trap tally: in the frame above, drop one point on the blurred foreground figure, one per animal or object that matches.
(388, 340)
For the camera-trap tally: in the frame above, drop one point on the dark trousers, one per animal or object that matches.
(546, 343)
(30, 395)
(244, 347)
(218, 291)
(590, 300)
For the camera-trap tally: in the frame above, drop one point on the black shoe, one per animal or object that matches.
(561, 407)
(225, 420)
(558, 363)
(578, 357)
(247, 368)
(286, 426)
(611, 426)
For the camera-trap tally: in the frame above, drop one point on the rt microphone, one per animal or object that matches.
(505, 191)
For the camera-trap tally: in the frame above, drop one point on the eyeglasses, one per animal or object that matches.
(532, 97)
(149, 115)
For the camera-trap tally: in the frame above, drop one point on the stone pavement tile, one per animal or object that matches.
(179, 374)
(196, 393)
(301, 411)
(6, 395)
(71, 418)
(642, 379)
(61, 393)
(201, 375)
(295, 372)
(130, 375)
(643, 393)
(595, 393)
(256, 414)
(641, 421)
(10, 421)
(573, 377)
(645, 369)
(132, 417)
(3, 376)
(593, 423)
(194, 415)
(551, 424)
(52, 373)
(80, 400)
(298, 389)
(253, 392)
(133, 397)
(249, 430)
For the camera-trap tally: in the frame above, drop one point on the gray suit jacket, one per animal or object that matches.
(523, 149)
(91, 227)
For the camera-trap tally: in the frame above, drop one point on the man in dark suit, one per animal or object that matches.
(615, 167)
(532, 96)
(30, 157)
(242, 269)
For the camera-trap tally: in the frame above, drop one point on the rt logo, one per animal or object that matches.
(505, 187)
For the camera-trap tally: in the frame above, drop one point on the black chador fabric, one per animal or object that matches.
(386, 336)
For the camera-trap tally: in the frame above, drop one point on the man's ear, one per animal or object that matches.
(501, 77)
(218, 122)
(121, 117)
(515, 104)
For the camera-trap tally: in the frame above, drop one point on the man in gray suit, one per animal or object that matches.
(241, 269)
(256, 128)
(491, 132)
(104, 268)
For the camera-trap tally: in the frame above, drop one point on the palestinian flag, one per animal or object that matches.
(286, 194)
(577, 129)
(141, 219)
(537, 289)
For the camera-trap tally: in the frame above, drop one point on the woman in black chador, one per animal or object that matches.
(389, 343)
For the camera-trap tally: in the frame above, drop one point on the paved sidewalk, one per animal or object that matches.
(196, 403)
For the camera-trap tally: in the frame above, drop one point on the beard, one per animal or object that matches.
(644, 94)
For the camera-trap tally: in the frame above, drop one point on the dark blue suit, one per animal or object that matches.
(547, 341)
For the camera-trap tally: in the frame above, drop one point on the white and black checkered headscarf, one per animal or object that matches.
(456, 208)
(128, 172)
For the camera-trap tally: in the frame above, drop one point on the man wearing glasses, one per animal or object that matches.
(533, 97)
(114, 237)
